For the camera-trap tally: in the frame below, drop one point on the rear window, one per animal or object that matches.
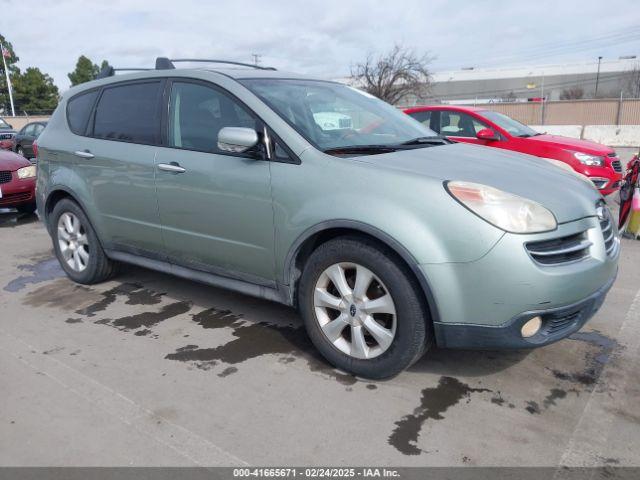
(129, 113)
(78, 111)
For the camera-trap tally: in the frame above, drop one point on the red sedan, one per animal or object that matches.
(17, 182)
(493, 129)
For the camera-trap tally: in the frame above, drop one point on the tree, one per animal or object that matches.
(34, 92)
(395, 75)
(11, 60)
(572, 93)
(85, 70)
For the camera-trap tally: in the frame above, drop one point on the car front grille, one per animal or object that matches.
(558, 323)
(617, 166)
(561, 250)
(606, 224)
(5, 177)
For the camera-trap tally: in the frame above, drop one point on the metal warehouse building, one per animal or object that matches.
(484, 85)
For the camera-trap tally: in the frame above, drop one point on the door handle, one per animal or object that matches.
(172, 167)
(83, 154)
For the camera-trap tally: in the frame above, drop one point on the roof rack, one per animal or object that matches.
(109, 71)
(163, 63)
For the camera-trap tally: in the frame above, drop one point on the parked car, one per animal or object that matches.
(17, 182)
(7, 134)
(23, 143)
(387, 238)
(485, 127)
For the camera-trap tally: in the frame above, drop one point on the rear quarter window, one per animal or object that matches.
(79, 110)
(129, 113)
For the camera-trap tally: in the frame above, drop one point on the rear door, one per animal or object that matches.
(217, 214)
(26, 139)
(115, 159)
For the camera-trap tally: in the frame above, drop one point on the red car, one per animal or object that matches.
(494, 129)
(17, 182)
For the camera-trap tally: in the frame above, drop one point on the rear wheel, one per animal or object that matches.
(77, 246)
(362, 308)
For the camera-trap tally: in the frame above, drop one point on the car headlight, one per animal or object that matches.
(504, 210)
(591, 160)
(27, 172)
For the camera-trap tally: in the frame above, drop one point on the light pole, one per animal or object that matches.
(595, 95)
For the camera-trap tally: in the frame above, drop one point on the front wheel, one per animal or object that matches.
(363, 309)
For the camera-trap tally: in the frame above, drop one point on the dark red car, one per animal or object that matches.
(494, 129)
(17, 182)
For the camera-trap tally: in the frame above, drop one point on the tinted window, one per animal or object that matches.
(37, 129)
(78, 111)
(28, 130)
(129, 113)
(423, 117)
(197, 113)
(457, 124)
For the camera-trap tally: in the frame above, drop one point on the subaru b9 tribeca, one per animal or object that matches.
(386, 237)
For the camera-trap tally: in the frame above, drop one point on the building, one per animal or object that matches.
(531, 83)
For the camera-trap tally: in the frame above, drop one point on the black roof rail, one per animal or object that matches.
(109, 71)
(163, 63)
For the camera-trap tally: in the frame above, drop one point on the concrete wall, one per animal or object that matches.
(612, 135)
(19, 122)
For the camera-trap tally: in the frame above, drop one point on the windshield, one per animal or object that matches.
(512, 126)
(331, 115)
(4, 124)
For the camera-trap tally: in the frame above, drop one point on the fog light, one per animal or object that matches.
(532, 327)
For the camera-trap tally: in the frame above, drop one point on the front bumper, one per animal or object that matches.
(557, 323)
(484, 303)
(18, 192)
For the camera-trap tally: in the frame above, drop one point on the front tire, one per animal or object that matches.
(77, 246)
(363, 309)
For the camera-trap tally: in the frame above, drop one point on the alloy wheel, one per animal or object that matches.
(73, 242)
(355, 310)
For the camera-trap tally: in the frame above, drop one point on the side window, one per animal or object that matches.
(458, 124)
(129, 113)
(28, 130)
(197, 113)
(423, 117)
(37, 129)
(79, 110)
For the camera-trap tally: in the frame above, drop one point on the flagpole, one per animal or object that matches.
(6, 71)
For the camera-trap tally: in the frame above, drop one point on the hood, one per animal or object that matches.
(584, 146)
(566, 195)
(10, 161)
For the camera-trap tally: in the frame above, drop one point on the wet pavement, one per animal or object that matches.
(148, 369)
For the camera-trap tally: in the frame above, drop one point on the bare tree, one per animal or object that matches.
(572, 93)
(394, 75)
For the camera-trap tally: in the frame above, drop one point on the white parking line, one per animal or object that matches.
(592, 432)
(190, 445)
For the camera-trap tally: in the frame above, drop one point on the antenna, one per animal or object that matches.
(256, 58)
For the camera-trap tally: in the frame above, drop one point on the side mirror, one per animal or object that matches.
(487, 134)
(237, 139)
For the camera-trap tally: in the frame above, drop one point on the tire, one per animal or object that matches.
(94, 265)
(27, 208)
(410, 324)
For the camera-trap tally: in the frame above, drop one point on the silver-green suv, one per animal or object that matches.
(386, 237)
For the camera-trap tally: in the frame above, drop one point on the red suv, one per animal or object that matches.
(485, 127)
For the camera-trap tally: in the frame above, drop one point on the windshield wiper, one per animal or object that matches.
(362, 149)
(435, 140)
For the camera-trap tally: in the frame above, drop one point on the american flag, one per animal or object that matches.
(6, 53)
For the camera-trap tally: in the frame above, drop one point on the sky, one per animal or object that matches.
(319, 38)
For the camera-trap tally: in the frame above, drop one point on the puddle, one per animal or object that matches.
(149, 319)
(435, 401)
(42, 271)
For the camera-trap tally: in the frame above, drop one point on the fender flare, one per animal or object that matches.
(381, 236)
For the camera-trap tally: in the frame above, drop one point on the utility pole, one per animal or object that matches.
(256, 58)
(595, 95)
(6, 71)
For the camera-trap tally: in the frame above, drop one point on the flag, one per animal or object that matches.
(6, 53)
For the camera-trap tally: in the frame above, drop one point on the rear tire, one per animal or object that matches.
(392, 298)
(77, 246)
